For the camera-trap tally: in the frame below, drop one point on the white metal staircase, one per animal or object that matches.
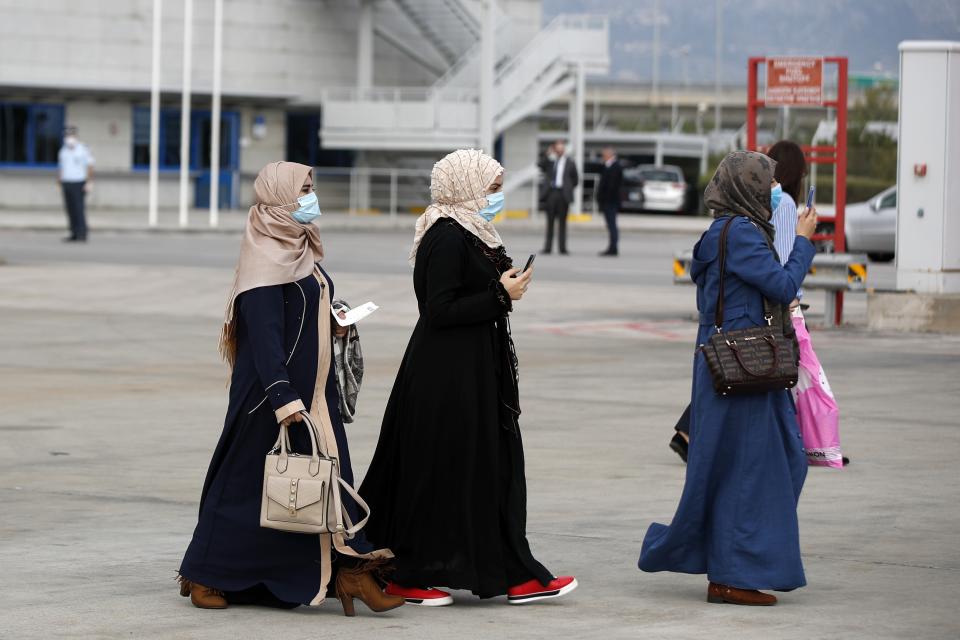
(446, 114)
(449, 26)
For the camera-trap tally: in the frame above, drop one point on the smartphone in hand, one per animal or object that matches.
(812, 192)
(529, 262)
(528, 265)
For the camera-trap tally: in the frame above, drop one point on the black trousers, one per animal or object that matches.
(73, 199)
(610, 210)
(557, 208)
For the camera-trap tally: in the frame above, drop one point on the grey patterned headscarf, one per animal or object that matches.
(741, 187)
(348, 359)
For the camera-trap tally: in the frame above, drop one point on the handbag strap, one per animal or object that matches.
(718, 311)
(345, 524)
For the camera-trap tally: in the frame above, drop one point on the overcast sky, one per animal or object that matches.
(867, 31)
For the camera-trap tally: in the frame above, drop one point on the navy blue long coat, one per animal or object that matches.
(277, 349)
(737, 517)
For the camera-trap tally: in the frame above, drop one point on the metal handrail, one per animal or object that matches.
(399, 94)
(371, 179)
(592, 22)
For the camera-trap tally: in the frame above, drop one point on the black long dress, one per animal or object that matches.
(446, 486)
(277, 349)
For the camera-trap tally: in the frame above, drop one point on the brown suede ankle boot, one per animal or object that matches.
(720, 593)
(202, 597)
(359, 583)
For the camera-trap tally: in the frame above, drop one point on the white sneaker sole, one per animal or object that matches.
(546, 595)
(431, 602)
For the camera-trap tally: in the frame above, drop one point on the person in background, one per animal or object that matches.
(737, 518)
(75, 164)
(608, 197)
(560, 178)
(791, 170)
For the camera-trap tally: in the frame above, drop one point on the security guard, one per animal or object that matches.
(76, 176)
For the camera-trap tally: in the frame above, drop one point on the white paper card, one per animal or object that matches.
(354, 315)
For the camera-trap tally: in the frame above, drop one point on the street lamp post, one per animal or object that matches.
(655, 89)
(718, 62)
(153, 191)
(185, 111)
(215, 114)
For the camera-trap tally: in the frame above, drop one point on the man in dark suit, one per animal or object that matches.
(608, 197)
(560, 178)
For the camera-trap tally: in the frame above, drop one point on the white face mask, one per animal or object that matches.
(70, 141)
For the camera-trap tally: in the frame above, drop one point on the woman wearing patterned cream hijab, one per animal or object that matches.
(446, 487)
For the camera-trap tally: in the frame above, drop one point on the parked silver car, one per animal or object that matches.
(871, 227)
(656, 188)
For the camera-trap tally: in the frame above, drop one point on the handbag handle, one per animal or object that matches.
(283, 442)
(773, 367)
(320, 436)
(718, 310)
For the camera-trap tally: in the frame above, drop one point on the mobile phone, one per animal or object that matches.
(812, 192)
(528, 265)
(529, 262)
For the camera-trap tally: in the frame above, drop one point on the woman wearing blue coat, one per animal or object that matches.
(277, 338)
(737, 518)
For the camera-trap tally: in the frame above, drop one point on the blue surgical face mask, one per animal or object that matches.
(309, 209)
(494, 206)
(776, 194)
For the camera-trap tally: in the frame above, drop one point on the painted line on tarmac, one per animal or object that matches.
(670, 331)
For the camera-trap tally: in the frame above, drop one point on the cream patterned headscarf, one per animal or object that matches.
(458, 188)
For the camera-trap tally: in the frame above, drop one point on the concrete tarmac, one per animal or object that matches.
(113, 398)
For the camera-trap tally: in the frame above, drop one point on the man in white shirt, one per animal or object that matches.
(76, 174)
(560, 178)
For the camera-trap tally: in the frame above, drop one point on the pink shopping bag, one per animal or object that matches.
(817, 410)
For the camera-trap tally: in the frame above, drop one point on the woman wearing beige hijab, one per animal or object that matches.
(277, 339)
(446, 487)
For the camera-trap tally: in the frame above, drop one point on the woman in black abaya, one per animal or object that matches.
(446, 486)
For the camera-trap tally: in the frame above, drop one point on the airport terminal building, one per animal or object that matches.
(331, 83)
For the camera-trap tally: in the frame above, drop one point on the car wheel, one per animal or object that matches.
(881, 257)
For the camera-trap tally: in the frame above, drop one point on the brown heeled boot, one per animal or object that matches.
(720, 593)
(202, 597)
(358, 582)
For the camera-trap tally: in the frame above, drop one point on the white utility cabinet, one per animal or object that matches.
(928, 168)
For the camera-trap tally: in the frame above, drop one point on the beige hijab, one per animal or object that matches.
(458, 188)
(276, 249)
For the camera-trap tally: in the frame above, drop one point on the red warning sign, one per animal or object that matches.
(793, 80)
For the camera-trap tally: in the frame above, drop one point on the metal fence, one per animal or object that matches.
(363, 190)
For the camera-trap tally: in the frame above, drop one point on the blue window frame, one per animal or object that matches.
(304, 144)
(303, 140)
(30, 134)
(199, 139)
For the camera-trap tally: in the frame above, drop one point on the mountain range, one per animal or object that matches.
(866, 31)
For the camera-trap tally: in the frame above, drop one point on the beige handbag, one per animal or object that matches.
(301, 493)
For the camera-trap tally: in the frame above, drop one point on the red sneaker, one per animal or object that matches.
(424, 597)
(533, 590)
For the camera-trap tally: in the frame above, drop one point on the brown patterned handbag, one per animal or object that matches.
(753, 360)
